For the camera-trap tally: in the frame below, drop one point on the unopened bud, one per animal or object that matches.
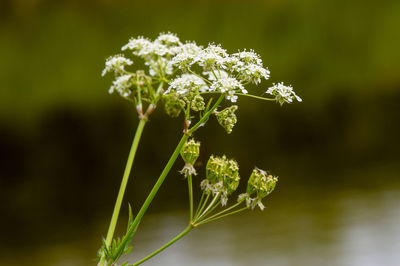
(214, 169)
(223, 174)
(231, 176)
(190, 151)
(173, 105)
(227, 118)
(261, 183)
(197, 103)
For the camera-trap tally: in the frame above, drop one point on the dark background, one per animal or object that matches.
(64, 140)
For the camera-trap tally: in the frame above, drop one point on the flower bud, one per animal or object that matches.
(173, 105)
(227, 118)
(222, 176)
(231, 176)
(197, 103)
(190, 151)
(261, 183)
(214, 169)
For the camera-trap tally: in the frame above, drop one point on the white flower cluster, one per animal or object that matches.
(226, 73)
(116, 64)
(122, 85)
(219, 71)
(230, 86)
(283, 93)
(186, 82)
(157, 54)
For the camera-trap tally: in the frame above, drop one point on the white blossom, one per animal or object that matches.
(145, 48)
(116, 64)
(253, 73)
(122, 85)
(168, 39)
(159, 66)
(186, 55)
(212, 56)
(249, 57)
(228, 85)
(283, 93)
(232, 63)
(137, 45)
(185, 83)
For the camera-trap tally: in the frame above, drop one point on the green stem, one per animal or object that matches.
(153, 192)
(200, 202)
(203, 206)
(187, 230)
(216, 197)
(212, 209)
(206, 115)
(224, 211)
(124, 182)
(190, 188)
(132, 229)
(218, 217)
(256, 97)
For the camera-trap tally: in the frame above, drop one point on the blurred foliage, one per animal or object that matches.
(64, 140)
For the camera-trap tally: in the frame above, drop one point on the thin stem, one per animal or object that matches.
(187, 230)
(224, 211)
(190, 189)
(159, 88)
(206, 115)
(132, 229)
(194, 73)
(203, 206)
(200, 202)
(256, 97)
(216, 197)
(242, 94)
(209, 92)
(215, 76)
(139, 92)
(124, 182)
(212, 209)
(219, 217)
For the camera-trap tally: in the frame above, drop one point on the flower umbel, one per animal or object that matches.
(260, 184)
(116, 64)
(227, 118)
(283, 93)
(222, 177)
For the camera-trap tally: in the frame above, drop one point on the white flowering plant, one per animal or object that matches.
(193, 82)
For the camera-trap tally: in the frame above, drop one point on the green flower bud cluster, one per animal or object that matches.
(260, 184)
(189, 153)
(227, 118)
(197, 103)
(222, 177)
(173, 104)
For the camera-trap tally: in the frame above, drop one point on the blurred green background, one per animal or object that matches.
(64, 139)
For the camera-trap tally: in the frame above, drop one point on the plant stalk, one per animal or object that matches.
(219, 217)
(124, 182)
(182, 234)
(132, 229)
(190, 189)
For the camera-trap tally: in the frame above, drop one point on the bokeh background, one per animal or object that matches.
(64, 140)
